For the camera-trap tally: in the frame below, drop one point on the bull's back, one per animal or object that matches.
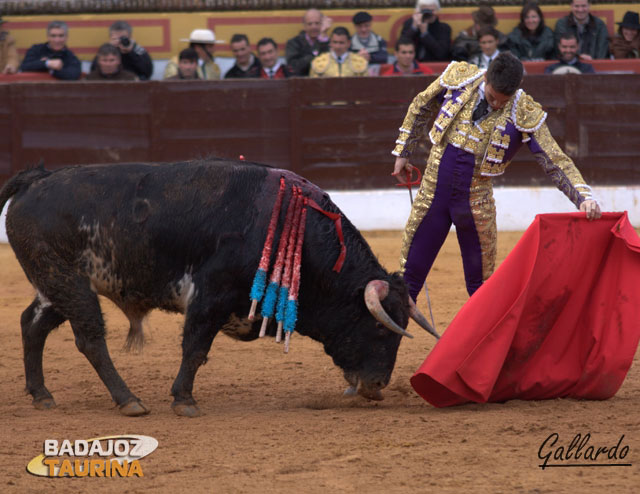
(137, 228)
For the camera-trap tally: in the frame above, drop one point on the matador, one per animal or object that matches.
(482, 119)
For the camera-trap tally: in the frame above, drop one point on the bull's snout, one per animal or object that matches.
(368, 387)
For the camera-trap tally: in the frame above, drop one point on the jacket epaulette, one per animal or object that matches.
(527, 114)
(358, 63)
(460, 74)
(320, 64)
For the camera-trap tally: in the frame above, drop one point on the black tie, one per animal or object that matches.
(481, 110)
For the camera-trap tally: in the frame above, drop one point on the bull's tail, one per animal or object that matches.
(22, 181)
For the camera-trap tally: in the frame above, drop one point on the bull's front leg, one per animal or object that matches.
(200, 328)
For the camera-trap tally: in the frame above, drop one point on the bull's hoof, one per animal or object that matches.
(374, 395)
(186, 410)
(134, 408)
(46, 403)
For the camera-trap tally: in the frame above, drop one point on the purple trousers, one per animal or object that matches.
(450, 205)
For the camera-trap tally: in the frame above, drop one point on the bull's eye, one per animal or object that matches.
(379, 325)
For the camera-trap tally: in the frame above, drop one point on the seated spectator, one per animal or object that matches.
(245, 60)
(53, 56)
(339, 62)
(202, 41)
(531, 40)
(311, 42)
(187, 66)
(466, 44)
(365, 42)
(569, 59)
(488, 40)
(109, 66)
(405, 63)
(134, 57)
(626, 44)
(270, 67)
(590, 31)
(431, 38)
(8, 53)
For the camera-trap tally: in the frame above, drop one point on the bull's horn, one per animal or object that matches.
(375, 292)
(417, 316)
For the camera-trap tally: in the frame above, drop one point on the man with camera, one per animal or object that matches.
(53, 56)
(134, 57)
(431, 38)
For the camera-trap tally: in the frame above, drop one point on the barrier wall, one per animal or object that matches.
(161, 33)
(335, 132)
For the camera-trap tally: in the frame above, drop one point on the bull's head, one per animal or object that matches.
(391, 307)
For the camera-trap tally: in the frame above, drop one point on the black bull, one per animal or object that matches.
(187, 237)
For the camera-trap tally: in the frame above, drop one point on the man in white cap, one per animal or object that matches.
(202, 41)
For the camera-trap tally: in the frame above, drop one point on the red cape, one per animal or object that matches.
(559, 318)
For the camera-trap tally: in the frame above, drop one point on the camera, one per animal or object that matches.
(125, 41)
(426, 14)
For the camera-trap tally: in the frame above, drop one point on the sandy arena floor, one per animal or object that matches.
(278, 423)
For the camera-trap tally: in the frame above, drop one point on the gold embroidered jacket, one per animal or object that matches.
(324, 65)
(493, 140)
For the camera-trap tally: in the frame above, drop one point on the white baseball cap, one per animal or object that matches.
(204, 36)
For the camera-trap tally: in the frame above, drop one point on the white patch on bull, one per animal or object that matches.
(98, 261)
(183, 292)
(237, 327)
(43, 303)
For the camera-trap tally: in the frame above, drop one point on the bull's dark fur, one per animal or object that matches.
(152, 223)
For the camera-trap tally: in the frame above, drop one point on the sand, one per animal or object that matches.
(279, 423)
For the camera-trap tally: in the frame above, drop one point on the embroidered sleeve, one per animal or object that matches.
(414, 126)
(558, 166)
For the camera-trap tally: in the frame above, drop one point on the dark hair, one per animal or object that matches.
(523, 13)
(488, 31)
(505, 73)
(121, 26)
(567, 35)
(108, 49)
(341, 31)
(236, 38)
(404, 40)
(266, 41)
(188, 54)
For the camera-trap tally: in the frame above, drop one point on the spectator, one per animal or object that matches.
(569, 60)
(405, 63)
(466, 44)
(187, 66)
(531, 40)
(590, 31)
(339, 62)
(365, 42)
(431, 38)
(202, 41)
(8, 53)
(488, 40)
(626, 44)
(109, 66)
(270, 67)
(245, 60)
(311, 42)
(134, 57)
(53, 56)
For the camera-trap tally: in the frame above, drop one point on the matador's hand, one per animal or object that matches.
(592, 208)
(400, 168)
